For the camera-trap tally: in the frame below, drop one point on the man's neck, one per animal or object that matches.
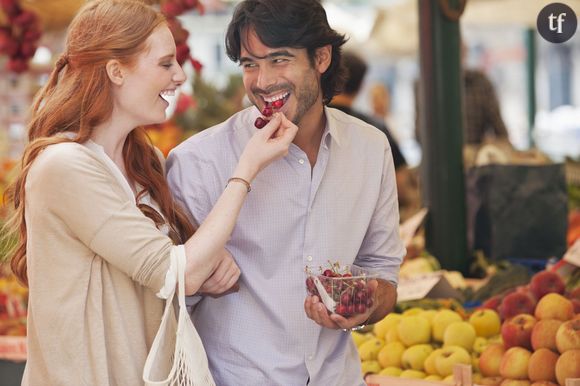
(310, 132)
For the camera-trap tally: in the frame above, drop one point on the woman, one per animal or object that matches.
(94, 216)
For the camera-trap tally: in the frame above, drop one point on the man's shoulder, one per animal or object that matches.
(355, 126)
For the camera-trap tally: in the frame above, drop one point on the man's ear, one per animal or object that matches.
(115, 72)
(323, 58)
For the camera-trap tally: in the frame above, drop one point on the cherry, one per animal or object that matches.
(260, 122)
(328, 273)
(278, 103)
(267, 111)
(345, 298)
(350, 309)
(360, 308)
(341, 309)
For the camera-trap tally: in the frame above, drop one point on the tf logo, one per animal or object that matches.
(557, 22)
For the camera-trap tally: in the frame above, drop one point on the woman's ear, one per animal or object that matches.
(323, 58)
(115, 71)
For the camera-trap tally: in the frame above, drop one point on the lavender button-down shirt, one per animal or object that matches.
(344, 209)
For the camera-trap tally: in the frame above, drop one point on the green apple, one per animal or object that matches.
(390, 355)
(414, 329)
(486, 322)
(459, 334)
(449, 357)
(414, 357)
(440, 322)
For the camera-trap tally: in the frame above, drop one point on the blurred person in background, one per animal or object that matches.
(333, 197)
(481, 111)
(98, 231)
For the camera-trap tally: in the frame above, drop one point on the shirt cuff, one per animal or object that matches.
(171, 276)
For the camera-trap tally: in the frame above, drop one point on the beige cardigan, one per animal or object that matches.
(95, 263)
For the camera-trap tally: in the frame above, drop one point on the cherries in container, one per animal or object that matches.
(343, 290)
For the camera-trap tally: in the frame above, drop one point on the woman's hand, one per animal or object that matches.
(224, 279)
(266, 145)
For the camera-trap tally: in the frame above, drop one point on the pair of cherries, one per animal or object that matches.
(267, 111)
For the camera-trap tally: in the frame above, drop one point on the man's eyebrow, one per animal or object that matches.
(271, 55)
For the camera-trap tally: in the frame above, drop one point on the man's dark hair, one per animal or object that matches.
(289, 23)
(356, 69)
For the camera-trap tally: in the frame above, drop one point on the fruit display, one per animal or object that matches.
(426, 343)
(531, 335)
(343, 290)
(19, 38)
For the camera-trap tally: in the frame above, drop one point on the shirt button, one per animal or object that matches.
(301, 161)
(309, 258)
(310, 357)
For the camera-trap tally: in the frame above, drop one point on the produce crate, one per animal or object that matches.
(461, 377)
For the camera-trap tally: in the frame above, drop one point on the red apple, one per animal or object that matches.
(544, 383)
(576, 304)
(514, 363)
(490, 359)
(516, 303)
(492, 303)
(545, 282)
(568, 336)
(517, 331)
(542, 365)
(544, 334)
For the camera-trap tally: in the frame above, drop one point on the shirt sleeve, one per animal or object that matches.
(189, 178)
(78, 189)
(382, 250)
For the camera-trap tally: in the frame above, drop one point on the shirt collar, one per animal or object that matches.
(332, 129)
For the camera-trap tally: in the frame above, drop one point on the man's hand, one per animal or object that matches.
(224, 279)
(384, 303)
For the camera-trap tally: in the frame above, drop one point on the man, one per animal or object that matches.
(333, 197)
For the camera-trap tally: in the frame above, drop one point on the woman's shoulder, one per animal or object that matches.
(64, 158)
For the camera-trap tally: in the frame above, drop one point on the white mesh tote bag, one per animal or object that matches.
(188, 365)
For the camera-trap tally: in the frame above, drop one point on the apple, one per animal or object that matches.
(391, 371)
(568, 336)
(414, 374)
(514, 363)
(517, 331)
(479, 344)
(545, 282)
(567, 366)
(576, 304)
(459, 334)
(450, 356)
(490, 381)
(544, 383)
(515, 382)
(544, 334)
(554, 306)
(414, 329)
(414, 357)
(433, 377)
(429, 364)
(390, 355)
(390, 321)
(490, 359)
(440, 322)
(516, 303)
(486, 322)
(492, 303)
(542, 365)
